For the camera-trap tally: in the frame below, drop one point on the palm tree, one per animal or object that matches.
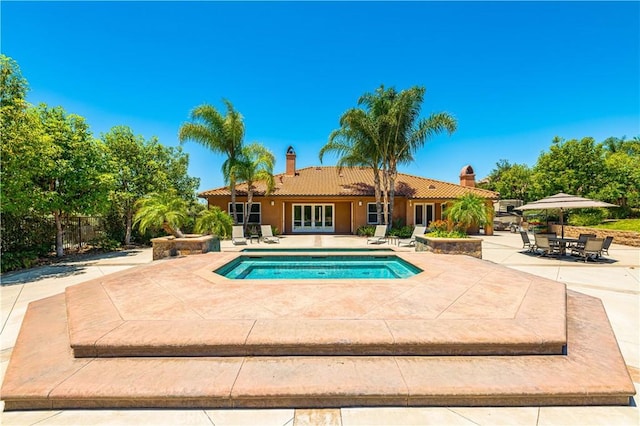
(161, 210)
(214, 221)
(467, 211)
(403, 132)
(356, 143)
(255, 164)
(221, 134)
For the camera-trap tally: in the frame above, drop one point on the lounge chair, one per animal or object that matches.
(544, 245)
(380, 236)
(267, 234)
(237, 237)
(526, 242)
(592, 249)
(417, 231)
(605, 245)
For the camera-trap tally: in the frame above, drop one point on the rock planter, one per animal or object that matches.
(468, 246)
(190, 244)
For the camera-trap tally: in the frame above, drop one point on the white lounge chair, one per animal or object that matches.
(238, 235)
(417, 231)
(380, 236)
(267, 234)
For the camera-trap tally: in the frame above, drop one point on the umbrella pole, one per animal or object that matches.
(562, 223)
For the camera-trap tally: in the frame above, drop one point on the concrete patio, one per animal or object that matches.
(615, 283)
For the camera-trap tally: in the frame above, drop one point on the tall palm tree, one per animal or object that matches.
(403, 132)
(255, 164)
(356, 143)
(221, 134)
(165, 210)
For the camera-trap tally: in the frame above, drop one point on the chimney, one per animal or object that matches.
(467, 177)
(291, 162)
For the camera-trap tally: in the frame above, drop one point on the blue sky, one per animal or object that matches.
(514, 74)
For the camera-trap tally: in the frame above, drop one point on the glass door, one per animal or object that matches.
(313, 218)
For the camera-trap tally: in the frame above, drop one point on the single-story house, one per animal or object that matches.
(329, 200)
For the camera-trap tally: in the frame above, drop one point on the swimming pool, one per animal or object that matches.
(317, 267)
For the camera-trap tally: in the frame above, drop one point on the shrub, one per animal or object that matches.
(366, 231)
(401, 232)
(586, 217)
(438, 225)
(448, 234)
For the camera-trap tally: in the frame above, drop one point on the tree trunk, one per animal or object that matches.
(128, 226)
(393, 174)
(378, 193)
(249, 203)
(385, 195)
(169, 230)
(232, 187)
(59, 234)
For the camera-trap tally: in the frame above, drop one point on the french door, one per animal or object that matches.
(424, 214)
(313, 218)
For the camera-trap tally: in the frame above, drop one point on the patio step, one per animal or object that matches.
(180, 308)
(154, 311)
(44, 374)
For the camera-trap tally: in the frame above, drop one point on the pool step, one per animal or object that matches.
(44, 374)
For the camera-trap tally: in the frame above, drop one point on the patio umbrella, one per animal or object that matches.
(562, 202)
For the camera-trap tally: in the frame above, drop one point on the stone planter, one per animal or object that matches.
(190, 244)
(468, 246)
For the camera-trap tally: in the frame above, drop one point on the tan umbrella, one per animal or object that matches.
(562, 201)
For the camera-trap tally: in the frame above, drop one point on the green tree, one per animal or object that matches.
(385, 132)
(214, 221)
(403, 131)
(255, 164)
(24, 150)
(221, 134)
(467, 211)
(575, 167)
(75, 179)
(165, 211)
(140, 167)
(512, 181)
(356, 143)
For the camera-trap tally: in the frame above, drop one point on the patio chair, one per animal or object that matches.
(267, 234)
(380, 235)
(411, 241)
(579, 245)
(237, 237)
(526, 242)
(605, 245)
(544, 245)
(592, 249)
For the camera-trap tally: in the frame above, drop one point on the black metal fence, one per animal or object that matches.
(39, 234)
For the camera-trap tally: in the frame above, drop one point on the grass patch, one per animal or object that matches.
(621, 225)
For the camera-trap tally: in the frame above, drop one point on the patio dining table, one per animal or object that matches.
(562, 243)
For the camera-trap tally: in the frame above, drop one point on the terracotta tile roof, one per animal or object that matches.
(355, 181)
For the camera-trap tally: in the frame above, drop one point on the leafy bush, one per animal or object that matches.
(448, 234)
(586, 217)
(103, 242)
(438, 225)
(401, 232)
(366, 231)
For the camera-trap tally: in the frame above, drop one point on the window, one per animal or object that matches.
(255, 216)
(372, 214)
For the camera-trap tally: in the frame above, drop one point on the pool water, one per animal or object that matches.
(317, 267)
(315, 249)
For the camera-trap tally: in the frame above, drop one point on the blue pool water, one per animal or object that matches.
(317, 267)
